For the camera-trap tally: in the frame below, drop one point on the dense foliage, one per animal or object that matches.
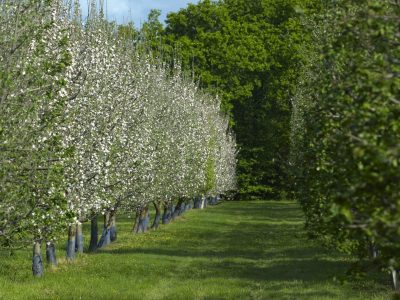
(247, 52)
(90, 125)
(345, 130)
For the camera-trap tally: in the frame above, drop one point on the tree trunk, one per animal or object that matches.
(146, 220)
(214, 200)
(197, 203)
(94, 234)
(183, 208)
(71, 242)
(189, 205)
(373, 251)
(51, 254)
(177, 210)
(142, 221)
(113, 227)
(167, 214)
(202, 202)
(37, 263)
(157, 217)
(396, 278)
(79, 239)
(136, 224)
(105, 235)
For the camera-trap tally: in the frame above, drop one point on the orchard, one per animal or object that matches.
(90, 126)
(281, 117)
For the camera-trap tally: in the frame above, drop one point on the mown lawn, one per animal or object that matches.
(237, 250)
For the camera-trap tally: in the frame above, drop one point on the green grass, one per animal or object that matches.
(237, 250)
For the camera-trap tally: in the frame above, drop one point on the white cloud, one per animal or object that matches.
(137, 11)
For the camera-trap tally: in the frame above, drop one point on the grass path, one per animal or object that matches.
(237, 250)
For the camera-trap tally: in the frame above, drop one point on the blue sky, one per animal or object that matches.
(137, 10)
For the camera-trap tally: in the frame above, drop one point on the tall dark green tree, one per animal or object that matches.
(247, 52)
(151, 32)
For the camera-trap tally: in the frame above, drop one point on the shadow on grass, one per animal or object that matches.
(272, 250)
(286, 269)
(259, 247)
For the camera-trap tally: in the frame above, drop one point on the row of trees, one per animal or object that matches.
(346, 129)
(245, 51)
(91, 124)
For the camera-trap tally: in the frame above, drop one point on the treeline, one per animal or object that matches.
(312, 88)
(91, 124)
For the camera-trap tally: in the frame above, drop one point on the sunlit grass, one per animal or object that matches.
(237, 250)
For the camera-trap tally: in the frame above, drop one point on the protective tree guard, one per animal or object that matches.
(105, 238)
(396, 279)
(79, 239)
(167, 214)
(186, 204)
(183, 207)
(146, 221)
(37, 262)
(197, 203)
(141, 221)
(113, 227)
(189, 205)
(94, 234)
(51, 257)
(203, 202)
(215, 200)
(71, 242)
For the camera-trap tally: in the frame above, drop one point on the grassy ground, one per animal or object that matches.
(237, 250)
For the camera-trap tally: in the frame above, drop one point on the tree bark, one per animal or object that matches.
(51, 257)
(136, 224)
(94, 234)
(71, 242)
(37, 262)
(167, 213)
(177, 210)
(157, 217)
